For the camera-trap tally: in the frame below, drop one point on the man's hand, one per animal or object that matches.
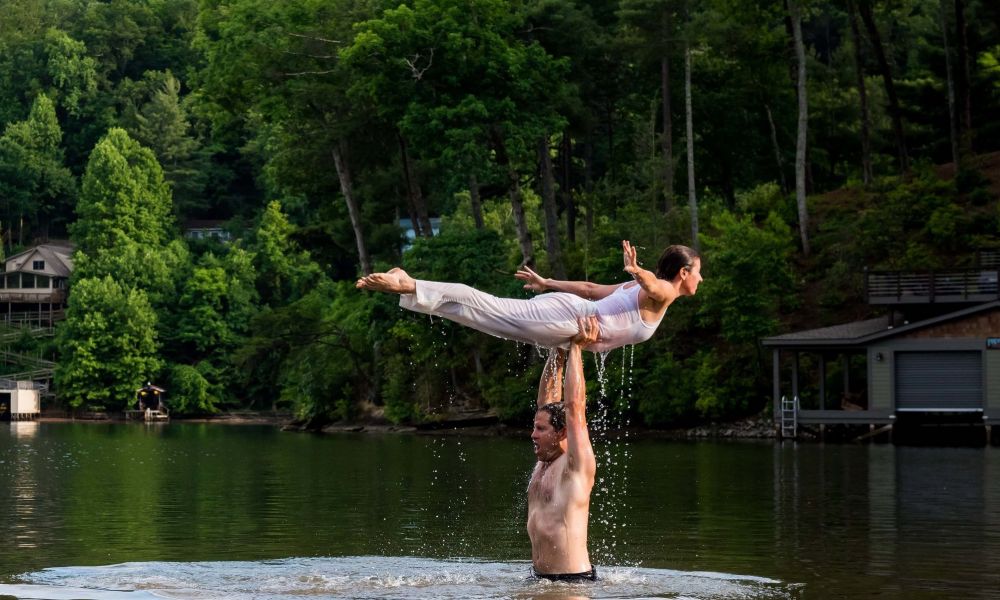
(628, 254)
(532, 281)
(590, 330)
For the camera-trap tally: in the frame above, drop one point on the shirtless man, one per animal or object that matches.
(559, 491)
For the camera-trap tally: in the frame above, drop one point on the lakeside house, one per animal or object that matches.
(34, 283)
(934, 358)
(207, 229)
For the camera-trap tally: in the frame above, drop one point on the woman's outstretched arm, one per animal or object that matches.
(585, 289)
(657, 289)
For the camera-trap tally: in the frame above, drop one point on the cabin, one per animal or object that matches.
(19, 400)
(935, 356)
(33, 285)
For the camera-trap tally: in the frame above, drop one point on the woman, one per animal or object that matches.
(627, 313)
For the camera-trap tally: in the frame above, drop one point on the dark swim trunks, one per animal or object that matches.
(590, 575)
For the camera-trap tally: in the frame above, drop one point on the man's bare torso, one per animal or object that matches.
(558, 510)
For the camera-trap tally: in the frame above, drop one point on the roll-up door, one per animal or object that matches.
(939, 381)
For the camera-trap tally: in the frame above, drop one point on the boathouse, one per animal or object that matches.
(936, 354)
(19, 400)
(149, 405)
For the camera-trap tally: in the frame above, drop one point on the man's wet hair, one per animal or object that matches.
(557, 414)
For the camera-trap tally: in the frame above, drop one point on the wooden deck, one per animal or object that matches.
(148, 416)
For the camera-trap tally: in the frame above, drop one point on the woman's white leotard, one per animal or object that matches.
(549, 320)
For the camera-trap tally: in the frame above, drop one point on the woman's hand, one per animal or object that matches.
(628, 252)
(532, 281)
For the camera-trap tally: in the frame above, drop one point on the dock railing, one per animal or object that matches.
(928, 287)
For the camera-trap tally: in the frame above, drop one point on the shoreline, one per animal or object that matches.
(479, 425)
(758, 428)
(240, 418)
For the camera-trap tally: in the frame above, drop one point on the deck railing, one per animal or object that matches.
(927, 287)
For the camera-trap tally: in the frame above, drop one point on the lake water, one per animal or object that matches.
(213, 511)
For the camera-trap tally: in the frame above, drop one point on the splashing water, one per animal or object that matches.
(368, 577)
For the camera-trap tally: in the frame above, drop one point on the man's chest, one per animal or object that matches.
(544, 487)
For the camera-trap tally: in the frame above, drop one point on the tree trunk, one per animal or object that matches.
(964, 81)
(689, 130)
(550, 209)
(866, 151)
(588, 186)
(516, 203)
(411, 208)
(865, 8)
(566, 186)
(340, 151)
(803, 126)
(777, 150)
(950, 78)
(413, 189)
(477, 204)
(666, 140)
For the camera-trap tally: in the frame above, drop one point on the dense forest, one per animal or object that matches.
(793, 142)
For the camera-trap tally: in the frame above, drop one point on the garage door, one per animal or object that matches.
(939, 381)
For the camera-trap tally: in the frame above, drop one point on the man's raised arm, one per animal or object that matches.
(580, 454)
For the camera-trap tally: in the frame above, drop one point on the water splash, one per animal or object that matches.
(369, 577)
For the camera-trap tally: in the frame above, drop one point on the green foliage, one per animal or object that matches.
(34, 181)
(284, 272)
(918, 224)
(190, 392)
(749, 277)
(162, 125)
(108, 343)
(72, 71)
(123, 199)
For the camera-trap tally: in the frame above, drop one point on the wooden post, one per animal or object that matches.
(822, 384)
(795, 375)
(776, 374)
(846, 366)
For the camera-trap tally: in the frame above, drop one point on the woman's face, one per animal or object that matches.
(691, 277)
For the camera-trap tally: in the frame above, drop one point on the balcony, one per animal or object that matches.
(953, 286)
(45, 295)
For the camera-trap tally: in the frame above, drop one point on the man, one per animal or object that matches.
(559, 491)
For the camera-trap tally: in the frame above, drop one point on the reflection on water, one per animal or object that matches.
(208, 504)
(375, 577)
(24, 429)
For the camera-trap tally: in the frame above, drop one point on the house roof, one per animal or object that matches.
(861, 333)
(204, 223)
(58, 255)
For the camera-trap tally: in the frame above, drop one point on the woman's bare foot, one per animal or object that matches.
(394, 280)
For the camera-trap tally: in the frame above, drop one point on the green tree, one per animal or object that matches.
(163, 126)
(124, 199)
(190, 391)
(751, 284)
(454, 75)
(284, 271)
(108, 344)
(35, 185)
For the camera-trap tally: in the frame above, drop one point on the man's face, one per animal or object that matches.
(545, 438)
